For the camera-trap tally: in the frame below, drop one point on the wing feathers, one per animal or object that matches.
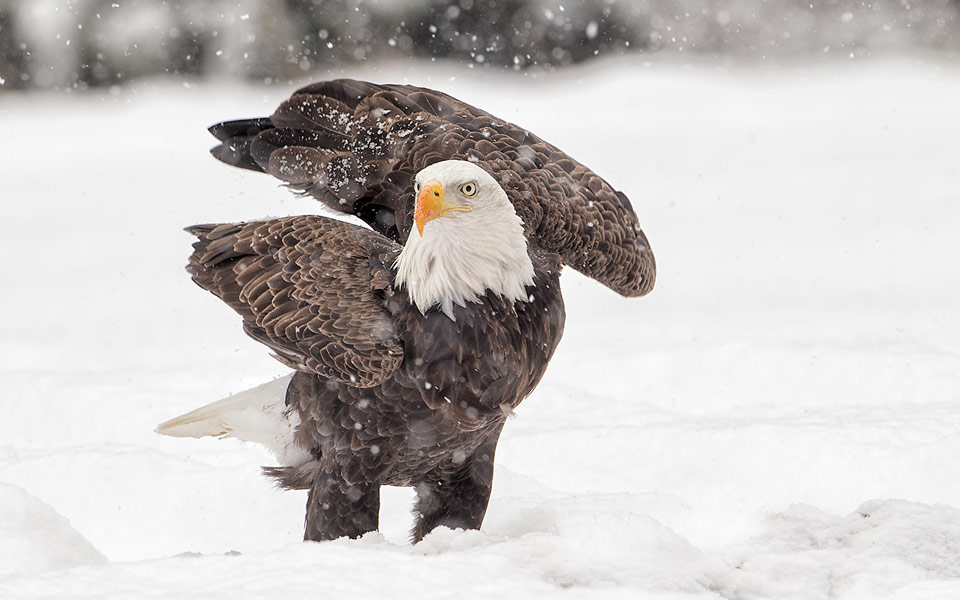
(356, 146)
(279, 276)
(237, 137)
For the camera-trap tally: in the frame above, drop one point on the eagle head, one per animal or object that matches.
(467, 240)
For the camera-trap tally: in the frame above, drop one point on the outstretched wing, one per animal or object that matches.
(310, 288)
(357, 146)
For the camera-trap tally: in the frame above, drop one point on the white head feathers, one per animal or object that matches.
(473, 244)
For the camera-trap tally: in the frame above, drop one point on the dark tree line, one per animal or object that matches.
(81, 43)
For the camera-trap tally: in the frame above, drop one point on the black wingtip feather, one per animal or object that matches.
(239, 128)
(236, 137)
(236, 153)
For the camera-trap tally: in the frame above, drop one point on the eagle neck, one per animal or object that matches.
(458, 260)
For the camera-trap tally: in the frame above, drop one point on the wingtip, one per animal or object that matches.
(200, 229)
(235, 152)
(240, 127)
(216, 130)
(224, 153)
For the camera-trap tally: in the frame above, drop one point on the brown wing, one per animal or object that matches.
(310, 288)
(357, 146)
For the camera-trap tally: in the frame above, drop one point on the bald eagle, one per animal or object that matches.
(411, 341)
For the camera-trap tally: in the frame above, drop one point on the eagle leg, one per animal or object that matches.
(458, 501)
(336, 508)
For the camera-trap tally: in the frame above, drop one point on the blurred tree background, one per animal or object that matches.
(68, 44)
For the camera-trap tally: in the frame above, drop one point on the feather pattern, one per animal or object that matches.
(385, 394)
(356, 146)
(310, 288)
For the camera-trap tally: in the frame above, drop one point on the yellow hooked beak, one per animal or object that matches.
(431, 205)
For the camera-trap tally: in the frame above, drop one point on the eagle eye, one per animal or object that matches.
(469, 189)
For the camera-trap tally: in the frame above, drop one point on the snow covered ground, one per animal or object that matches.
(780, 419)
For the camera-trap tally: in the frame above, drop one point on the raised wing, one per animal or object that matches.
(357, 146)
(310, 288)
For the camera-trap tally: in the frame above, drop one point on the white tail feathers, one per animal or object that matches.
(256, 415)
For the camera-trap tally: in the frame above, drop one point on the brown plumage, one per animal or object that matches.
(356, 147)
(287, 277)
(386, 395)
(384, 392)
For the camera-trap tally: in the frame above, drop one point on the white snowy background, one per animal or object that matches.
(779, 419)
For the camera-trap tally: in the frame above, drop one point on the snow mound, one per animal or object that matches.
(883, 547)
(583, 541)
(34, 537)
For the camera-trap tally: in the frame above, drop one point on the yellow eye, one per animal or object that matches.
(468, 189)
